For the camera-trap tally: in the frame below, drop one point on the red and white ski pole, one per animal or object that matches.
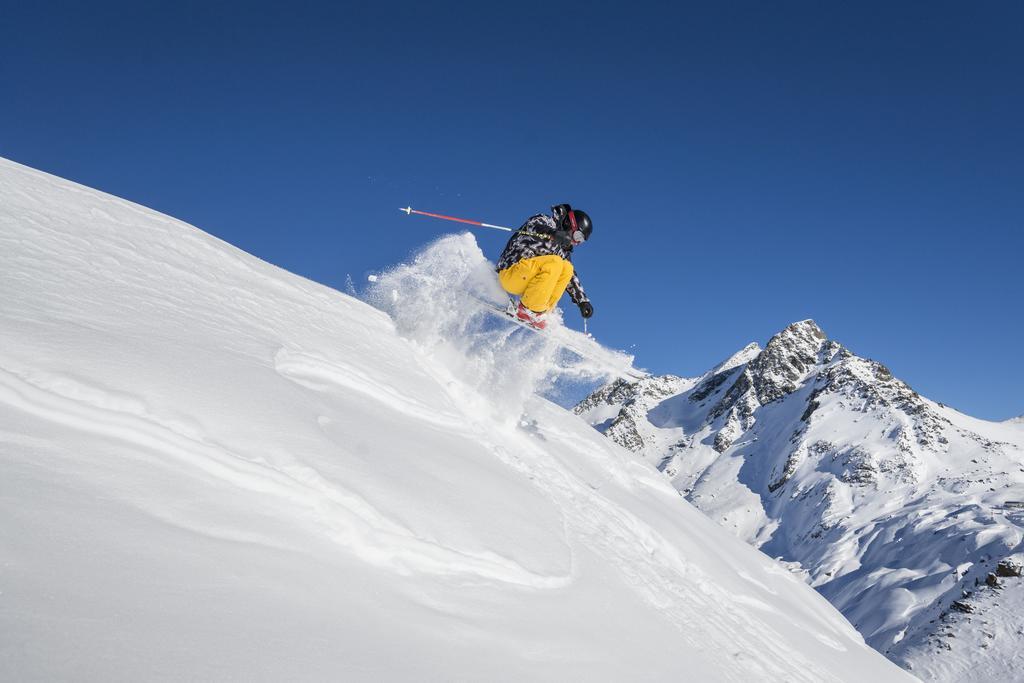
(409, 211)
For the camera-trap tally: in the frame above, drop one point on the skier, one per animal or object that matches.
(536, 264)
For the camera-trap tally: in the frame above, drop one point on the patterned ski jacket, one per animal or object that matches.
(539, 236)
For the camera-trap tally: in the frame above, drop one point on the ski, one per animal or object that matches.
(559, 335)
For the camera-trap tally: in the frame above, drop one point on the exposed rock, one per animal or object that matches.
(786, 360)
(710, 385)
(777, 371)
(962, 606)
(634, 400)
(1008, 568)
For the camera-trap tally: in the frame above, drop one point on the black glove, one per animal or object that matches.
(586, 310)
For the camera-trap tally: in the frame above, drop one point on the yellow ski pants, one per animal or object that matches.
(539, 281)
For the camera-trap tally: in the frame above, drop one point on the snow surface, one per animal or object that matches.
(214, 469)
(972, 645)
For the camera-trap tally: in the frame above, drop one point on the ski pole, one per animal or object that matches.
(409, 211)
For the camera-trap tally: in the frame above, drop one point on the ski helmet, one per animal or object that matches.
(573, 221)
(579, 226)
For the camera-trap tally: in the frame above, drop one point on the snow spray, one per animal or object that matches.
(433, 301)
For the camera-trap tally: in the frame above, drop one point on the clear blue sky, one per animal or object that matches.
(746, 164)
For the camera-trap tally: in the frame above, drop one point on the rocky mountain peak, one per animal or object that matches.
(786, 360)
(803, 334)
(777, 371)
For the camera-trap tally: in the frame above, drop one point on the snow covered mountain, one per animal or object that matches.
(906, 514)
(215, 470)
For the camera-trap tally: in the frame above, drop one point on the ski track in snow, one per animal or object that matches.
(323, 375)
(350, 520)
(685, 595)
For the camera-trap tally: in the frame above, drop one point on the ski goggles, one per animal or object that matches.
(575, 234)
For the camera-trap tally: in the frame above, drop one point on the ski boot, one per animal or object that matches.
(531, 318)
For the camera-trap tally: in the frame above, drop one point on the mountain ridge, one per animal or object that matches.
(825, 459)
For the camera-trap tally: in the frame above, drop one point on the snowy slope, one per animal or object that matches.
(969, 640)
(894, 506)
(213, 469)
